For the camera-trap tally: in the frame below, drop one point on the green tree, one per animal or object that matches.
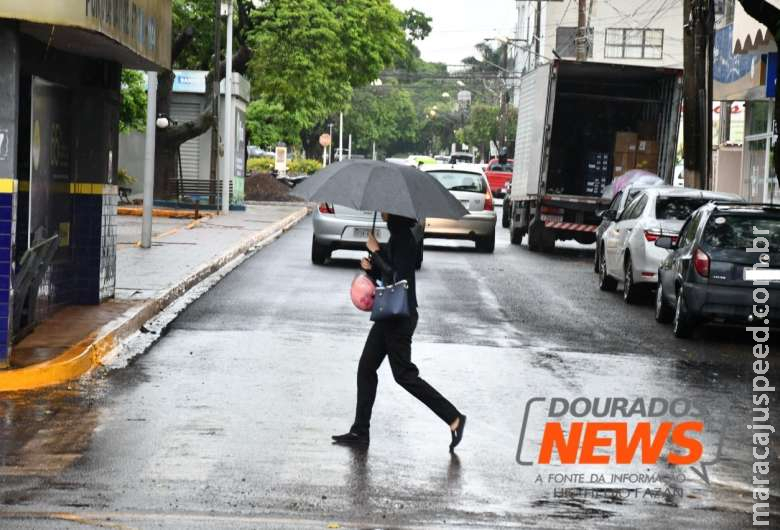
(382, 114)
(132, 112)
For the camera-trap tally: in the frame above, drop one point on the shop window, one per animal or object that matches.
(758, 117)
(634, 43)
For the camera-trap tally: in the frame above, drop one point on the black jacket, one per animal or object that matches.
(397, 260)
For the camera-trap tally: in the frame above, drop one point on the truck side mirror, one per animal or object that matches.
(665, 242)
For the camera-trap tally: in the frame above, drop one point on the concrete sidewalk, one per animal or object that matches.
(183, 253)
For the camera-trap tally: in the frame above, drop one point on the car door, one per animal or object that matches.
(617, 235)
(667, 271)
(684, 253)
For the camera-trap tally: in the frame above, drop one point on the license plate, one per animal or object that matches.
(552, 218)
(362, 233)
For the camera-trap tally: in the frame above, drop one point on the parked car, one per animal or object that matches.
(468, 184)
(499, 175)
(628, 252)
(341, 228)
(619, 202)
(460, 157)
(702, 279)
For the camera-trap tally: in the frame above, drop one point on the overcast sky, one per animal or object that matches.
(459, 24)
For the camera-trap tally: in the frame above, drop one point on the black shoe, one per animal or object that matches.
(351, 438)
(457, 434)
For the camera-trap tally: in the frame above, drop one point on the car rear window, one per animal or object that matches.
(501, 168)
(736, 231)
(679, 208)
(460, 180)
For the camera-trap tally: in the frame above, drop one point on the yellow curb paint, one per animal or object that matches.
(8, 185)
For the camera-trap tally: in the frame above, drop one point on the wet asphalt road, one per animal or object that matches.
(225, 422)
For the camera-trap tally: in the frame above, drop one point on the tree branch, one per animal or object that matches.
(178, 134)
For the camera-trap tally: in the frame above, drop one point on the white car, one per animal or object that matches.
(629, 252)
(468, 183)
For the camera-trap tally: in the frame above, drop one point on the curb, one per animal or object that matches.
(88, 353)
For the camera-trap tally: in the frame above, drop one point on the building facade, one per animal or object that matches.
(59, 127)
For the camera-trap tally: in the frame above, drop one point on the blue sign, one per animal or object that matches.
(727, 67)
(771, 75)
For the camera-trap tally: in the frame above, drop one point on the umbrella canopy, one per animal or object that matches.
(381, 186)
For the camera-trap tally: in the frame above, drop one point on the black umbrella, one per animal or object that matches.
(381, 186)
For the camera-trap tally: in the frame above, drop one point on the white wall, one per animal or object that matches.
(651, 14)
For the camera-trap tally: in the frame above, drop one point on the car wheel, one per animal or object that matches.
(596, 259)
(606, 282)
(630, 289)
(486, 244)
(683, 324)
(505, 214)
(319, 252)
(420, 255)
(663, 313)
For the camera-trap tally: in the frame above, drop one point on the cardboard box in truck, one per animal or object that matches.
(625, 142)
(647, 161)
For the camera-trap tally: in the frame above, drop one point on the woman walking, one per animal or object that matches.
(393, 338)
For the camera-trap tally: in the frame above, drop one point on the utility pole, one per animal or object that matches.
(581, 40)
(151, 132)
(227, 169)
(697, 119)
(503, 89)
(538, 33)
(341, 136)
(215, 103)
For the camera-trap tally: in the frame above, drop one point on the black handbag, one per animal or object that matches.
(391, 301)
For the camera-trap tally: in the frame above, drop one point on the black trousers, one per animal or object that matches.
(393, 339)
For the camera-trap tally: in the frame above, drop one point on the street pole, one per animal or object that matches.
(330, 145)
(227, 168)
(213, 174)
(373, 151)
(349, 148)
(697, 88)
(151, 132)
(581, 42)
(538, 32)
(341, 136)
(502, 94)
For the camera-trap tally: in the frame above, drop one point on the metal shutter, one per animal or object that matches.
(183, 110)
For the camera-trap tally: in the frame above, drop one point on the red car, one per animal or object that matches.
(498, 176)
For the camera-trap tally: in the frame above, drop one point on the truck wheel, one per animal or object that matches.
(319, 252)
(486, 244)
(515, 232)
(505, 213)
(606, 282)
(683, 324)
(537, 239)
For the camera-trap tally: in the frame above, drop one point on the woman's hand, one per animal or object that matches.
(372, 244)
(365, 264)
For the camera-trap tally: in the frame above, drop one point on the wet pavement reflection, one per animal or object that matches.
(226, 422)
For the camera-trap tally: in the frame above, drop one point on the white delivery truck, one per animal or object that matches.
(581, 124)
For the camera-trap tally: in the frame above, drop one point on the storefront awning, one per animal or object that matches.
(136, 33)
(750, 36)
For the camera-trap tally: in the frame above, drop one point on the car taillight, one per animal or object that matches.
(701, 262)
(326, 208)
(488, 200)
(653, 235)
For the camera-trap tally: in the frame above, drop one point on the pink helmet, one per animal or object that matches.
(362, 292)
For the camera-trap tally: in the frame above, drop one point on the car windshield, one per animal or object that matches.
(679, 208)
(460, 181)
(506, 168)
(736, 231)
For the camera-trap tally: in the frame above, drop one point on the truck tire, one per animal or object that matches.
(516, 233)
(539, 238)
(506, 214)
(319, 252)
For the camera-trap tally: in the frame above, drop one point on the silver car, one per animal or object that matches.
(629, 252)
(467, 182)
(338, 227)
